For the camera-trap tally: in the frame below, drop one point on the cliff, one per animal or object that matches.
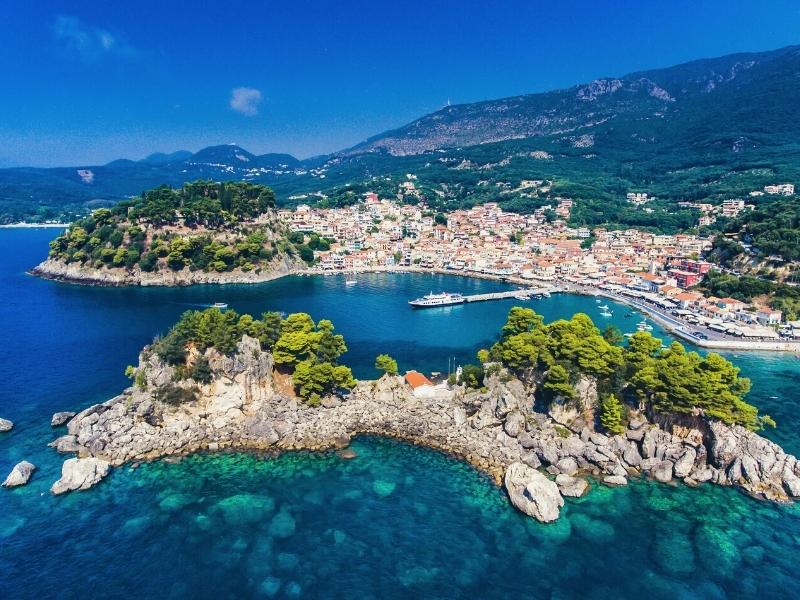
(244, 407)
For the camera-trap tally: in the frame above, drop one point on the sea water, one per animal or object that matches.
(396, 521)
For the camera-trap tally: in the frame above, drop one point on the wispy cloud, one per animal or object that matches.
(86, 42)
(245, 100)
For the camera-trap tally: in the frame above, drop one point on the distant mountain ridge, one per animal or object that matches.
(678, 94)
(708, 127)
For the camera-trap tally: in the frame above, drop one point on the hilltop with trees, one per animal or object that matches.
(201, 227)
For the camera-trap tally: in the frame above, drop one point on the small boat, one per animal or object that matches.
(597, 300)
(644, 326)
(628, 335)
(220, 305)
(350, 282)
(521, 297)
(603, 306)
(605, 313)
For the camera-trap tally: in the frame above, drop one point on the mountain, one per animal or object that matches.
(708, 129)
(160, 158)
(746, 94)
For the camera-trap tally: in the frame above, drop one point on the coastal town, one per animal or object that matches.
(652, 272)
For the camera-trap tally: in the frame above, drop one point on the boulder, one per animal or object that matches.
(662, 471)
(66, 443)
(6, 425)
(515, 423)
(20, 474)
(80, 474)
(60, 418)
(574, 487)
(567, 465)
(615, 480)
(631, 455)
(684, 464)
(533, 493)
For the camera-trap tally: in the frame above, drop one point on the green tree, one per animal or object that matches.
(611, 414)
(385, 363)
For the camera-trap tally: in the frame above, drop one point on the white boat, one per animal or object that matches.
(605, 313)
(431, 300)
(350, 282)
(603, 306)
(220, 305)
(644, 326)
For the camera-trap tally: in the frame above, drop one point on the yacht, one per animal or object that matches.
(350, 280)
(220, 305)
(603, 306)
(431, 300)
(605, 313)
(644, 326)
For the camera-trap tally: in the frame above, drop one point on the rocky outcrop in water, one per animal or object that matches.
(80, 474)
(76, 272)
(533, 493)
(243, 408)
(20, 474)
(6, 425)
(60, 418)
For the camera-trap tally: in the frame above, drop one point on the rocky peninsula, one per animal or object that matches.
(245, 403)
(202, 232)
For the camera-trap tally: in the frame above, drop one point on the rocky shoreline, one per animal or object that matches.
(76, 273)
(497, 430)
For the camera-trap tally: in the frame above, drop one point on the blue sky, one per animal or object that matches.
(87, 82)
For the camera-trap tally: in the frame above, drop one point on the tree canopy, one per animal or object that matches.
(668, 380)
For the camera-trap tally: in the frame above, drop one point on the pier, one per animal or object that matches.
(524, 294)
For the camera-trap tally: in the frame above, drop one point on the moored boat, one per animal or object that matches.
(431, 300)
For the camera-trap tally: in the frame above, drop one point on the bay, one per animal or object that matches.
(398, 521)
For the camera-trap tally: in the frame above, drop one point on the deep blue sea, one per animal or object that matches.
(396, 522)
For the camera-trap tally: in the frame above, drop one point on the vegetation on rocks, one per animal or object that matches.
(643, 373)
(202, 226)
(308, 351)
(385, 363)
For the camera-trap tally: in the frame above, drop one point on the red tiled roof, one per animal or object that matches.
(416, 379)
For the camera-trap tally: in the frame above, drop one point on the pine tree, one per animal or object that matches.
(611, 414)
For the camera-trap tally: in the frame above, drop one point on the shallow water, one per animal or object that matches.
(397, 521)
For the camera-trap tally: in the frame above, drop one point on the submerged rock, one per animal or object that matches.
(533, 493)
(80, 474)
(20, 474)
(60, 418)
(615, 480)
(574, 487)
(6, 425)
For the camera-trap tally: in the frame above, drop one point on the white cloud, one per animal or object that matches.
(83, 41)
(245, 100)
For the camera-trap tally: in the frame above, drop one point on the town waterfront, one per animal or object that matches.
(396, 521)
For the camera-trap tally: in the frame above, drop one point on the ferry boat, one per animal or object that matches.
(220, 305)
(431, 300)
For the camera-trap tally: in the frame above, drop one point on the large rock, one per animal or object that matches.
(533, 493)
(6, 425)
(684, 464)
(515, 423)
(80, 474)
(662, 471)
(20, 474)
(60, 418)
(574, 487)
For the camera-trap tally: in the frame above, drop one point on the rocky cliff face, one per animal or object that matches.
(496, 430)
(74, 272)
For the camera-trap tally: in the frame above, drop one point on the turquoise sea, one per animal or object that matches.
(397, 521)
